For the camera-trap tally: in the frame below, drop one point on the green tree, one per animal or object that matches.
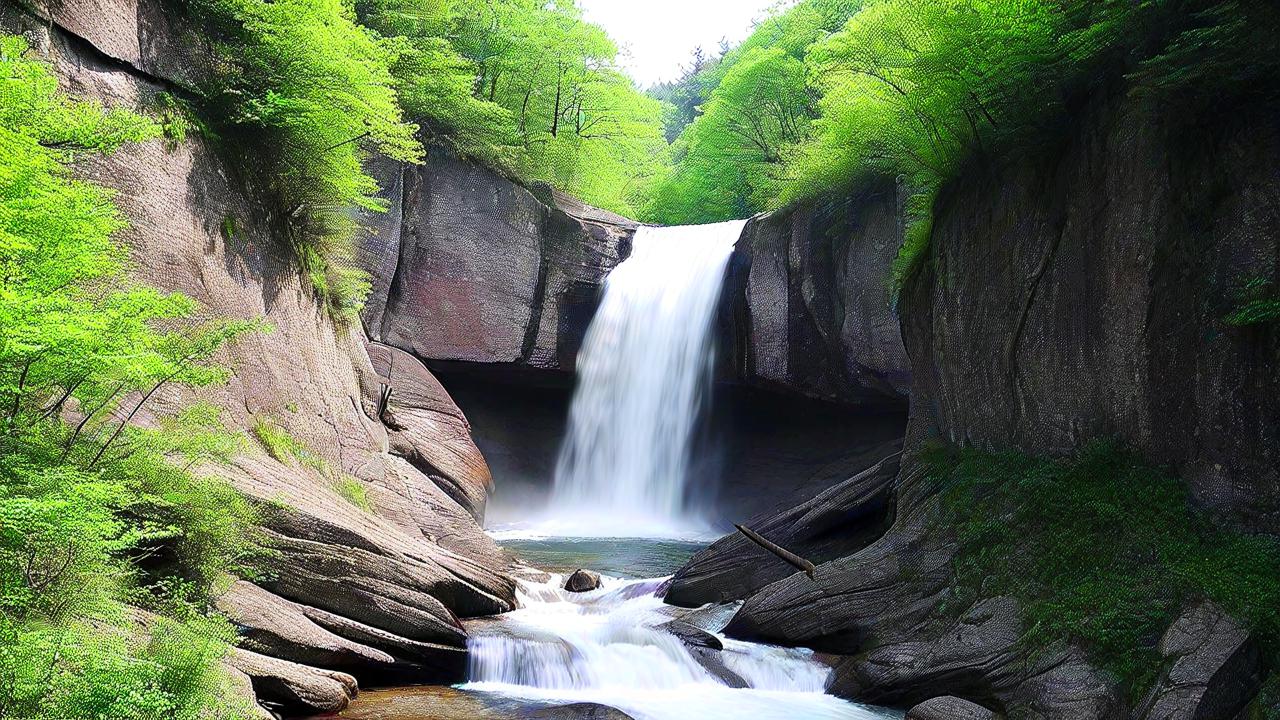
(95, 512)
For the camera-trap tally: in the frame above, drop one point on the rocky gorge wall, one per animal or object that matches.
(1068, 298)
(372, 593)
(470, 267)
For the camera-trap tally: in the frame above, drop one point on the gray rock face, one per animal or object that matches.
(809, 301)
(582, 581)
(470, 267)
(475, 268)
(949, 708)
(1212, 668)
(839, 521)
(1083, 297)
(390, 582)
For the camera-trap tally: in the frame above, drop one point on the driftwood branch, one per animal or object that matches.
(791, 558)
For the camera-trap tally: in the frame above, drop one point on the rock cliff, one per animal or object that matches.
(373, 591)
(1067, 298)
(470, 267)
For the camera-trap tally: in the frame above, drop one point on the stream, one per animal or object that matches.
(607, 647)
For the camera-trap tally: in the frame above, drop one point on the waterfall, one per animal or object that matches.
(609, 646)
(643, 375)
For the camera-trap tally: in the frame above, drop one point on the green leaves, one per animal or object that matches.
(1101, 550)
(99, 512)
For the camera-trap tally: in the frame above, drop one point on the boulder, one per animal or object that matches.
(837, 522)
(292, 688)
(582, 581)
(949, 708)
(691, 635)
(880, 608)
(425, 427)
(279, 628)
(1212, 668)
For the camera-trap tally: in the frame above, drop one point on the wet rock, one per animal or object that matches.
(691, 635)
(445, 703)
(582, 581)
(949, 708)
(712, 661)
(294, 689)
(1212, 668)
(837, 522)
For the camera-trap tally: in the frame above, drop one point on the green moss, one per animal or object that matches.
(287, 449)
(1257, 302)
(353, 491)
(1101, 550)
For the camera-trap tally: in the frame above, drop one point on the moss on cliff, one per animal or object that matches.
(1101, 550)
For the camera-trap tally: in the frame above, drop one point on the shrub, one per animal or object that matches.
(1101, 550)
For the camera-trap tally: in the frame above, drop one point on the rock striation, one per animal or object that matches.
(1070, 297)
(377, 591)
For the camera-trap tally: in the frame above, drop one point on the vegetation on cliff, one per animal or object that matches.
(1101, 550)
(109, 546)
(304, 92)
(923, 89)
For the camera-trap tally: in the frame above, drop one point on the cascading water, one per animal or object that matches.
(643, 374)
(608, 646)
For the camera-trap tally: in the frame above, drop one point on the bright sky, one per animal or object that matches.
(658, 36)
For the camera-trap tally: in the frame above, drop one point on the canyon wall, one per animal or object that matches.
(470, 267)
(375, 591)
(1076, 296)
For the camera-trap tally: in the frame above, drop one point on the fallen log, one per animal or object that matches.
(791, 558)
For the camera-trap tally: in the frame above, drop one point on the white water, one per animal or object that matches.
(643, 374)
(605, 647)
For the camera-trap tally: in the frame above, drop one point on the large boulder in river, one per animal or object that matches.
(839, 521)
(949, 708)
(582, 581)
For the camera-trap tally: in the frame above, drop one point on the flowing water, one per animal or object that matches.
(643, 375)
(620, 507)
(607, 646)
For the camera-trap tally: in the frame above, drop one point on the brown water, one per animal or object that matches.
(444, 703)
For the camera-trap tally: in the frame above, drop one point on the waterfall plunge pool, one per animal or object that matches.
(607, 647)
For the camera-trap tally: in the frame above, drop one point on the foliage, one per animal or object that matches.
(303, 96)
(1257, 302)
(923, 90)
(285, 448)
(575, 120)
(732, 155)
(1101, 550)
(95, 512)
(354, 492)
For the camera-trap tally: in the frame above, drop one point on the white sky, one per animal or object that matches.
(658, 36)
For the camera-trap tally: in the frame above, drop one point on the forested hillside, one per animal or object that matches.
(832, 92)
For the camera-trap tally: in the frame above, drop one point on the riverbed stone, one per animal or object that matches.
(949, 708)
(582, 581)
(691, 635)
(1212, 668)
